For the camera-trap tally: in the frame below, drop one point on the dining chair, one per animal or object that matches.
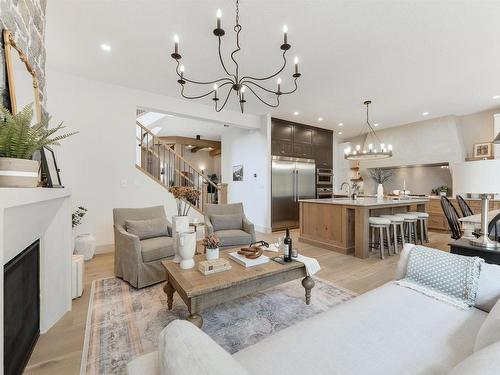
(494, 227)
(452, 217)
(464, 207)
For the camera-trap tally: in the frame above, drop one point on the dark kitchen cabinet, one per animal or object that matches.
(302, 135)
(302, 150)
(302, 141)
(281, 131)
(323, 157)
(282, 148)
(323, 138)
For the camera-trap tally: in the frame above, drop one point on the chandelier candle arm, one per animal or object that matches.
(262, 100)
(180, 73)
(222, 60)
(225, 101)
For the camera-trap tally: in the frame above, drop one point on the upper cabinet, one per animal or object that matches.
(302, 141)
(281, 131)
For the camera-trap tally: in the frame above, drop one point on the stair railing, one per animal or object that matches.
(161, 163)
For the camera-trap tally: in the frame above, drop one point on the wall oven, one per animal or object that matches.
(324, 193)
(324, 177)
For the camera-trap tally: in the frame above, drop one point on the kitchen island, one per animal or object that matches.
(342, 224)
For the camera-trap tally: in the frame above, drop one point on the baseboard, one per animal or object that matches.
(104, 249)
(262, 229)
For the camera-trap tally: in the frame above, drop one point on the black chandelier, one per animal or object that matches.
(235, 81)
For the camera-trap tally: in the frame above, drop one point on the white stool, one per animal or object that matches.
(397, 221)
(410, 221)
(423, 219)
(380, 223)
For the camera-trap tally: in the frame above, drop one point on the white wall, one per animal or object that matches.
(252, 149)
(203, 160)
(99, 162)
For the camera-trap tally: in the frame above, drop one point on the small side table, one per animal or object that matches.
(464, 247)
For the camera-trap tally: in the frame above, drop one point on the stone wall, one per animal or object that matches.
(26, 20)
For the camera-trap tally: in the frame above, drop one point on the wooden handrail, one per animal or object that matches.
(176, 155)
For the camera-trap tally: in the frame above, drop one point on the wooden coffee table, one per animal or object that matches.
(199, 292)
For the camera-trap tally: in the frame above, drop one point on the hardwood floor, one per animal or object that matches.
(58, 351)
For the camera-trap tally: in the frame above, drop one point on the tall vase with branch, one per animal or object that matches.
(185, 196)
(380, 176)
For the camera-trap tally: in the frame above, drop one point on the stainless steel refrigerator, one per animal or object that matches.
(291, 179)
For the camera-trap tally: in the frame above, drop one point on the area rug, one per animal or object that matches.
(124, 323)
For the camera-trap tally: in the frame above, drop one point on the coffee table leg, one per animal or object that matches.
(308, 283)
(196, 319)
(169, 290)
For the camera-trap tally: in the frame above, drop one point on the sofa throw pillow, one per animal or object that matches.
(150, 228)
(490, 329)
(451, 278)
(229, 221)
(488, 292)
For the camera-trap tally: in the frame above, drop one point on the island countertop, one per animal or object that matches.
(342, 224)
(368, 202)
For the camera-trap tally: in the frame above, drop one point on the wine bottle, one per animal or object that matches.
(287, 245)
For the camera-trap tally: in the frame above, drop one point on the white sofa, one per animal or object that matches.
(389, 330)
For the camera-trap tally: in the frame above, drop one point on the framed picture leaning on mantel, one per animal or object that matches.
(49, 168)
(483, 151)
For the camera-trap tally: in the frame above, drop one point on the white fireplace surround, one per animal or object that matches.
(25, 216)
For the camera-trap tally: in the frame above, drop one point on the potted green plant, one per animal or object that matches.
(443, 190)
(19, 141)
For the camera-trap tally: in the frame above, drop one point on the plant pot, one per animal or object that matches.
(180, 224)
(20, 173)
(380, 191)
(212, 253)
(443, 193)
(187, 248)
(85, 245)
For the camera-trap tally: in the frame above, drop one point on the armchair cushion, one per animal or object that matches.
(233, 237)
(157, 248)
(227, 221)
(148, 228)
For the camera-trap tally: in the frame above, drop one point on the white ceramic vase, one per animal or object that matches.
(187, 248)
(180, 224)
(85, 245)
(212, 253)
(380, 191)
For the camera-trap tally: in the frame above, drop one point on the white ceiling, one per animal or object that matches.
(441, 57)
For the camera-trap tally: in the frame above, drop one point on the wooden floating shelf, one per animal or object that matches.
(357, 179)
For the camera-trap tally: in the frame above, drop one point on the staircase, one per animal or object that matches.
(161, 163)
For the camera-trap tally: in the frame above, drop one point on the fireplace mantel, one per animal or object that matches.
(25, 216)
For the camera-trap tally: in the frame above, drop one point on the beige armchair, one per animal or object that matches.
(143, 238)
(229, 223)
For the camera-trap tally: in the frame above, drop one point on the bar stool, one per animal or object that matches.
(397, 221)
(380, 223)
(410, 223)
(423, 220)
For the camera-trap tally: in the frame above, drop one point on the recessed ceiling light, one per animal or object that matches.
(105, 47)
(376, 124)
(496, 97)
(341, 124)
(295, 113)
(340, 133)
(425, 113)
(320, 118)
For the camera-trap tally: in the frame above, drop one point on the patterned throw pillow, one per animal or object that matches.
(448, 277)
